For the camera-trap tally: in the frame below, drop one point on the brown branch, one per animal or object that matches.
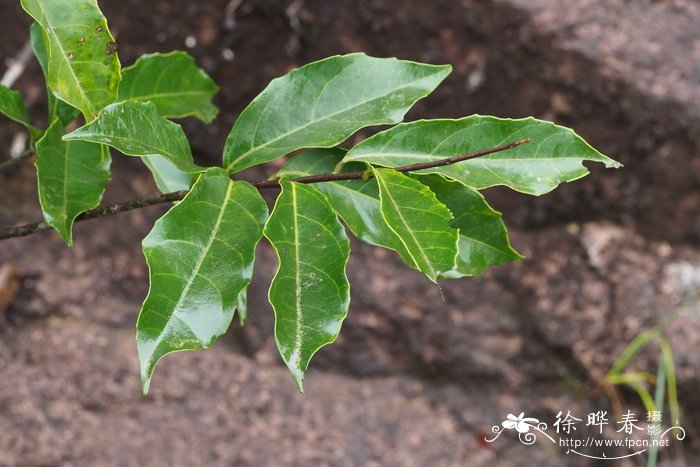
(12, 162)
(28, 229)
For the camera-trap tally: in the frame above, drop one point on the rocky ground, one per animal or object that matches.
(414, 379)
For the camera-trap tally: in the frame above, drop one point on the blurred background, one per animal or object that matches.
(413, 379)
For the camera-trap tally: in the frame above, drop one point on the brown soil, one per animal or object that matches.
(413, 379)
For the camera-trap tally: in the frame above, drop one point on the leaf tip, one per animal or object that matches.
(145, 384)
(64, 227)
(295, 367)
(68, 238)
(70, 136)
(447, 69)
(299, 379)
(146, 361)
(146, 375)
(432, 276)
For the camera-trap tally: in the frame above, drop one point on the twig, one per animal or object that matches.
(16, 65)
(28, 229)
(15, 68)
(230, 14)
(406, 168)
(26, 154)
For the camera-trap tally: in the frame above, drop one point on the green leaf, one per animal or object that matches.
(12, 106)
(420, 221)
(310, 293)
(136, 129)
(173, 82)
(57, 108)
(200, 255)
(322, 103)
(554, 155)
(178, 88)
(83, 68)
(483, 239)
(71, 176)
(167, 176)
(356, 201)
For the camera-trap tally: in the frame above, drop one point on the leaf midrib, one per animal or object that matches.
(198, 266)
(65, 189)
(295, 356)
(409, 230)
(146, 97)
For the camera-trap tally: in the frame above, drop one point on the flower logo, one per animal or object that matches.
(520, 423)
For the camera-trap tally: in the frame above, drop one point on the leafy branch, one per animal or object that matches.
(41, 226)
(413, 188)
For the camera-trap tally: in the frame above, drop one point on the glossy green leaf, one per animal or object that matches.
(483, 239)
(200, 256)
(554, 155)
(178, 88)
(173, 82)
(420, 221)
(167, 176)
(136, 129)
(57, 108)
(71, 177)
(322, 103)
(12, 106)
(310, 293)
(83, 68)
(356, 201)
